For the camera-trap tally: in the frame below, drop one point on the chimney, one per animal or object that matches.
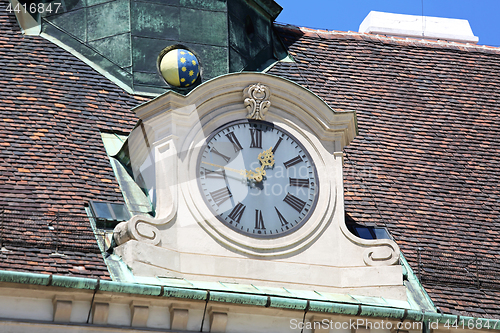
(419, 27)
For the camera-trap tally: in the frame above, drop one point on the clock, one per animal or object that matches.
(257, 179)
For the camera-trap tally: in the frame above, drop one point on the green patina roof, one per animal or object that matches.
(122, 39)
(343, 304)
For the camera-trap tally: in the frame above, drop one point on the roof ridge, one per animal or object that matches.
(391, 39)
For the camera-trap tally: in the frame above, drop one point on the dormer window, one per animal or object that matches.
(369, 232)
(107, 214)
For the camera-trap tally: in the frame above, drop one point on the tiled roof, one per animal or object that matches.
(37, 260)
(426, 163)
(52, 109)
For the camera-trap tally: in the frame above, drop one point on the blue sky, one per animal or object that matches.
(345, 15)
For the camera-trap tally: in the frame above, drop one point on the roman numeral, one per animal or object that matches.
(256, 136)
(277, 144)
(282, 219)
(220, 196)
(237, 212)
(215, 173)
(293, 161)
(234, 141)
(299, 182)
(220, 154)
(294, 202)
(259, 221)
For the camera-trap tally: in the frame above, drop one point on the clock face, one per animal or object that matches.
(257, 179)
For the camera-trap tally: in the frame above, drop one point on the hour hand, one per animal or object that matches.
(257, 174)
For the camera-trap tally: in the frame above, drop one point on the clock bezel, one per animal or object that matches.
(306, 152)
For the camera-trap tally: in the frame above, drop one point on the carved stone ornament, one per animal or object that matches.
(141, 228)
(381, 255)
(257, 101)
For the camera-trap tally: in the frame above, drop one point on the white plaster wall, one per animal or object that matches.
(24, 327)
(195, 318)
(80, 312)
(119, 314)
(26, 308)
(245, 323)
(380, 331)
(159, 317)
(340, 330)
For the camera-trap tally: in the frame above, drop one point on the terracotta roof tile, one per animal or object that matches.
(52, 154)
(14, 258)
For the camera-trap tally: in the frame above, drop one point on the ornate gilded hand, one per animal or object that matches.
(257, 174)
(241, 172)
(266, 159)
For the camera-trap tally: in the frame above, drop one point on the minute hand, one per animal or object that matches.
(241, 172)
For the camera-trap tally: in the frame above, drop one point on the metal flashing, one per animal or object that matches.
(119, 77)
(416, 293)
(29, 24)
(291, 303)
(272, 8)
(136, 200)
(280, 294)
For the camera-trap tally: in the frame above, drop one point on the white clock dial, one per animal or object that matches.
(257, 179)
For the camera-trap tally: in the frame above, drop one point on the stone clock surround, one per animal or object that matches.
(186, 240)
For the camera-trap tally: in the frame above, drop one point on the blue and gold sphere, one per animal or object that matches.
(180, 68)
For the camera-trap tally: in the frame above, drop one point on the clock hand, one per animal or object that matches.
(251, 175)
(257, 175)
(266, 158)
(241, 172)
